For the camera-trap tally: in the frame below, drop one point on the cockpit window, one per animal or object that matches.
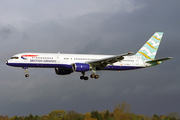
(14, 57)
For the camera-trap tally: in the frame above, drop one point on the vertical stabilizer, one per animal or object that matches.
(149, 50)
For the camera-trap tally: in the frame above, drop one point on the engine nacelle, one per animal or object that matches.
(60, 71)
(81, 67)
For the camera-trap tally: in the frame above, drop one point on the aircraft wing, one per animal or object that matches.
(110, 60)
(157, 60)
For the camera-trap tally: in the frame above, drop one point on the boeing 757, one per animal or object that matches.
(65, 64)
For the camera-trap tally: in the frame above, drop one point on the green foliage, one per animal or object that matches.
(16, 118)
(135, 117)
(37, 117)
(80, 117)
(121, 112)
(30, 117)
(57, 115)
(97, 115)
(106, 116)
(173, 115)
(72, 115)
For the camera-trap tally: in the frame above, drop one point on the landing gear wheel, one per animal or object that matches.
(26, 75)
(92, 76)
(86, 78)
(96, 76)
(82, 77)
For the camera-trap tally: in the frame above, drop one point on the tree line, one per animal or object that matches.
(121, 112)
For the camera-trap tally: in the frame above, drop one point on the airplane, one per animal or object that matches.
(65, 64)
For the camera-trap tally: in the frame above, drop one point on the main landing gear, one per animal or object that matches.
(94, 76)
(83, 77)
(26, 71)
(94, 73)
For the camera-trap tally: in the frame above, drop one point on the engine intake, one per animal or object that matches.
(81, 67)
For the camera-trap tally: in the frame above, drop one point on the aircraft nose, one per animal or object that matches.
(7, 62)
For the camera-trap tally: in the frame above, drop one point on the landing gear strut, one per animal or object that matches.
(83, 77)
(26, 71)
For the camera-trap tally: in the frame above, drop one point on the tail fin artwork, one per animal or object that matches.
(149, 50)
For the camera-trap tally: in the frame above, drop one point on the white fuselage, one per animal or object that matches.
(58, 60)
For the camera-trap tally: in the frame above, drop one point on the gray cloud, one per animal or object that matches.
(95, 27)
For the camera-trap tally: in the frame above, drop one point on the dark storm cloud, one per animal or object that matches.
(92, 27)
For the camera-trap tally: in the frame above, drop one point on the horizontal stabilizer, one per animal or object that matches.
(157, 60)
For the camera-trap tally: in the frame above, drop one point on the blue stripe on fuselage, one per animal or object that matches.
(40, 65)
(122, 67)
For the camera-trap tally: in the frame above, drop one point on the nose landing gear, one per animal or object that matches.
(26, 71)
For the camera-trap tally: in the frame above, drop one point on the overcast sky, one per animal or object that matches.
(94, 27)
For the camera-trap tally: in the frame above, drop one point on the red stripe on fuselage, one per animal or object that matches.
(29, 55)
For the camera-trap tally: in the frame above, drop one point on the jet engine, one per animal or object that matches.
(60, 71)
(81, 67)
